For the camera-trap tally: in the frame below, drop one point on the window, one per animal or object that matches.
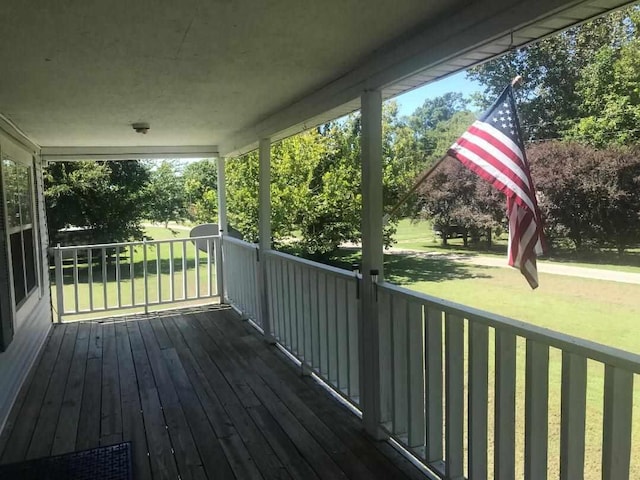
(18, 194)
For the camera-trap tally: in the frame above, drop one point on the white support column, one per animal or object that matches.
(222, 225)
(264, 214)
(222, 195)
(372, 261)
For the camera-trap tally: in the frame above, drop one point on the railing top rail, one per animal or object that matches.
(242, 243)
(309, 263)
(595, 351)
(136, 243)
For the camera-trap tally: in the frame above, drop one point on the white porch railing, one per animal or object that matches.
(314, 315)
(241, 277)
(444, 364)
(116, 276)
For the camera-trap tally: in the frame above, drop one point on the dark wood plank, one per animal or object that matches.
(90, 415)
(267, 461)
(202, 394)
(163, 464)
(20, 437)
(185, 451)
(211, 453)
(288, 449)
(111, 410)
(311, 450)
(67, 429)
(132, 421)
(162, 338)
(231, 367)
(95, 341)
(214, 410)
(381, 457)
(239, 458)
(236, 452)
(45, 430)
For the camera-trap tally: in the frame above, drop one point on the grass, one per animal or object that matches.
(420, 236)
(159, 285)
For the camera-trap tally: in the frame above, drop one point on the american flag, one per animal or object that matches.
(492, 148)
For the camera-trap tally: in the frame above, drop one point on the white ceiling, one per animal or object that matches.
(77, 73)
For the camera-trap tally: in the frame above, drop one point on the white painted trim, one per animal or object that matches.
(11, 129)
(57, 154)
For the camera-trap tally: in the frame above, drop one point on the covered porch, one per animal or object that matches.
(199, 395)
(464, 393)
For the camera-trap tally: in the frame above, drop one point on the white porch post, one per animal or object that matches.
(372, 261)
(222, 225)
(264, 215)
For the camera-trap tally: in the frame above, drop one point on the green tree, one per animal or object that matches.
(107, 198)
(549, 100)
(165, 194)
(316, 183)
(200, 191)
(424, 120)
(610, 91)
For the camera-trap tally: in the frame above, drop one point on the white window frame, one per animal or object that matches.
(20, 157)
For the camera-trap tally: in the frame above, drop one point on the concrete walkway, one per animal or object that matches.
(544, 267)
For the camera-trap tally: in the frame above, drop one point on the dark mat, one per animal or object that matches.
(104, 463)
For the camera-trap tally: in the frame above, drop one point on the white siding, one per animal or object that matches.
(30, 336)
(18, 359)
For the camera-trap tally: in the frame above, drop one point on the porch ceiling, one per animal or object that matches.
(202, 72)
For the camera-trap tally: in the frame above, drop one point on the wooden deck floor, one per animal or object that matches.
(200, 395)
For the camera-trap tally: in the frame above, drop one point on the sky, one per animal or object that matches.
(408, 102)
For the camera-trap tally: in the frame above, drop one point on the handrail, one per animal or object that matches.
(136, 243)
(242, 243)
(596, 351)
(311, 264)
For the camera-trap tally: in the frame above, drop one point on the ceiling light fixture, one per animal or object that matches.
(141, 127)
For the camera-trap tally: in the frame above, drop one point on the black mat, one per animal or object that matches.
(103, 463)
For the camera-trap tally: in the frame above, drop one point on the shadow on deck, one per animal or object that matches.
(200, 395)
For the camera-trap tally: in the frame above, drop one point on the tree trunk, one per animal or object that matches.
(489, 239)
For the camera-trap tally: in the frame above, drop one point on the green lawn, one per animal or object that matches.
(421, 237)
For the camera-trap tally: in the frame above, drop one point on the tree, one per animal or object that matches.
(589, 195)
(549, 100)
(108, 198)
(165, 194)
(201, 191)
(455, 199)
(610, 91)
(429, 115)
(316, 183)
(460, 202)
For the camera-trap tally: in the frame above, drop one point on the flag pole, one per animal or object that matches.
(517, 79)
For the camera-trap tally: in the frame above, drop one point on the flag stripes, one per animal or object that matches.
(492, 148)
